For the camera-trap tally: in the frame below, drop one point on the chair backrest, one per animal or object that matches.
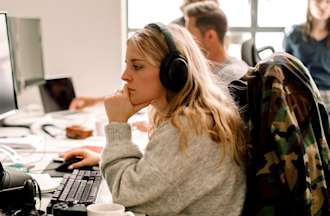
(288, 170)
(250, 54)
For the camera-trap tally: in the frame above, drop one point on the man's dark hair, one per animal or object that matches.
(208, 16)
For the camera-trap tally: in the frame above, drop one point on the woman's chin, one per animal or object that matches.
(136, 102)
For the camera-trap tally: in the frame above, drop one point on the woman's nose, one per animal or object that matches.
(125, 76)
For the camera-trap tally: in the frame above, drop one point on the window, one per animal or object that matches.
(263, 20)
(143, 12)
(237, 11)
(273, 17)
(279, 13)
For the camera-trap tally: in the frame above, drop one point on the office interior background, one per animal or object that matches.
(86, 39)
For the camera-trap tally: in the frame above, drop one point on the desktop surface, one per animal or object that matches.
(50, 147)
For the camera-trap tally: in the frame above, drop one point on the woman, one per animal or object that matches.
(191, 163)
(310, 42)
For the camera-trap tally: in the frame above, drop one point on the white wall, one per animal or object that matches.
(81, 38)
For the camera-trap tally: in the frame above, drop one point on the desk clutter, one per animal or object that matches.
(45, 139)
(78, 132)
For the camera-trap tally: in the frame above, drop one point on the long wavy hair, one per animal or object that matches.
(207, 108)
(308, 26)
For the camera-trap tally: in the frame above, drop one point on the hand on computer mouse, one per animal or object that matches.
(64, 166)
(89, 158)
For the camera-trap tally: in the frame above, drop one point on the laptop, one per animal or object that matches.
(57, 94)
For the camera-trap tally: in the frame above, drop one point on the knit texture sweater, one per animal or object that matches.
(164, 180)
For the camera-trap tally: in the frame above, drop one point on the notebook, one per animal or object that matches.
(45, 182)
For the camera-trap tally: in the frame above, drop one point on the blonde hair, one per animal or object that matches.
(207, 108)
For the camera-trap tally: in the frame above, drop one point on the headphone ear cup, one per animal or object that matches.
(174, 72)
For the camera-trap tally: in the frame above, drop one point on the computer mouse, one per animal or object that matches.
(64, 166)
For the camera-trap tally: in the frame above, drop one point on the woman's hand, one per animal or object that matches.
(119, 108)
(90, 158)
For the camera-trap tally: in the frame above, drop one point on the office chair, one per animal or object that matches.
(250, 54)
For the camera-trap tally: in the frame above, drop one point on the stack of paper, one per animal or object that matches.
(29, 142)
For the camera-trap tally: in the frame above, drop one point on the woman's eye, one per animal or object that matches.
(137, 67)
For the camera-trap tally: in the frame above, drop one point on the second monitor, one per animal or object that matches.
(26, 42)
(56, 94)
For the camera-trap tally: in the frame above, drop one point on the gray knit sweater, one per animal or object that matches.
(166, 181)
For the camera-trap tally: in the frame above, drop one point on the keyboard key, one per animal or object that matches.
(86, 191)
(73, 191)
(80, 191)
(66, 190)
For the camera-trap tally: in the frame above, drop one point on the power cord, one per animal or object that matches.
(9, 153)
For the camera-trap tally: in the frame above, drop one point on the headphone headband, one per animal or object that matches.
(168, 36)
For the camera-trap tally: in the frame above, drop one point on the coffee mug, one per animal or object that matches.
(107, 209)
(100, 123)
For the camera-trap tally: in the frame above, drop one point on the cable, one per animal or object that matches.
(43, 141)
(10, 153)
(16, 156)
(45, 129)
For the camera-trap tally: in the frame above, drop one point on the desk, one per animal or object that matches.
(51, 147)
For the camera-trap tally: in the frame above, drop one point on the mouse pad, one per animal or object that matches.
(50, 169)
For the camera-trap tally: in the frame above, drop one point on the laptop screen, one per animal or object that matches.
(56, 94)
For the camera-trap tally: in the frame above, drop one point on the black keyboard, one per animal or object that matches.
(76, 191)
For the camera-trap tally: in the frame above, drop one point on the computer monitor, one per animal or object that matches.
(8, 103)
(57, 94)
(12, 187)
(25, 38)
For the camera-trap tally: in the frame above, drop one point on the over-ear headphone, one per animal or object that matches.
(174, 66)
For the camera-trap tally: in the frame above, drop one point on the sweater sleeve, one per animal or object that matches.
(164, 180)
(135, 180)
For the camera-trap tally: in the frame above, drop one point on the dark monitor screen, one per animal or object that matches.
(56, 94)
(8, 102)
(25, 37)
